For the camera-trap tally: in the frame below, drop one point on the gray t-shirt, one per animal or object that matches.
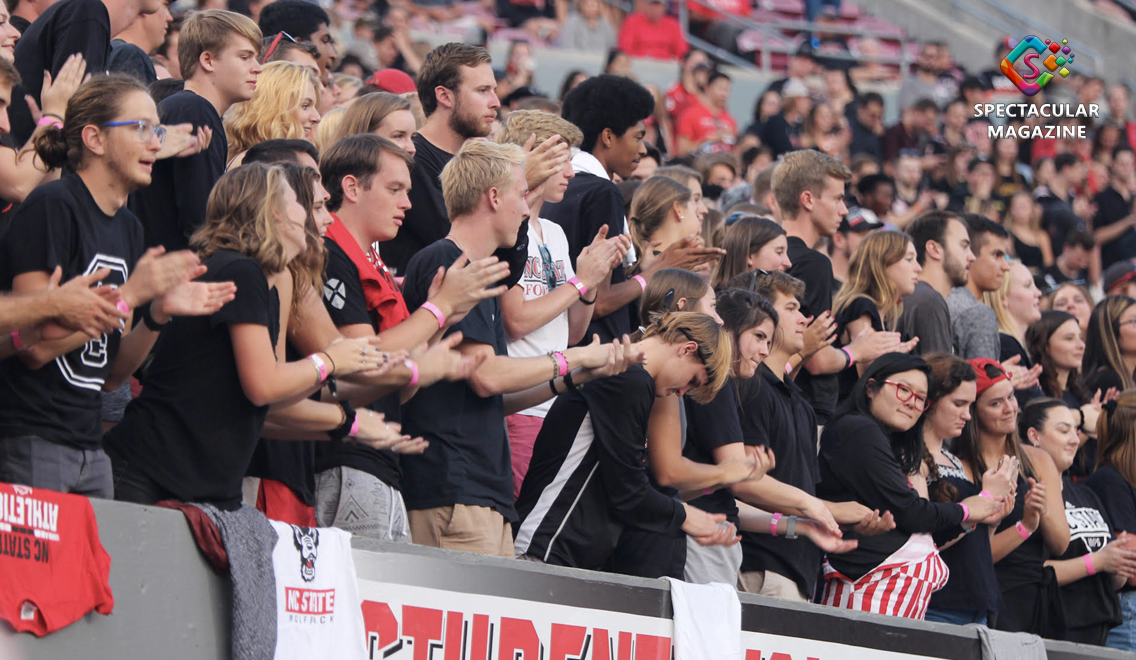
(975, 326)
(578, 35)
(926, 316)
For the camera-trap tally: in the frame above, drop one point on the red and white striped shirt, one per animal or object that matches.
(901, 586)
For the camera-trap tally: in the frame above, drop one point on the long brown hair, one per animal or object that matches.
(366, 113)
(1037, 343)
(307, 267)
(868, 277)
(652, 206)
(1116, 436)
(239, 216)
(97, 102)
(948, 373)
(968, 446)
(745, 237)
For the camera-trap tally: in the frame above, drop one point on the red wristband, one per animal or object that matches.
(433, 309)
(773, 524)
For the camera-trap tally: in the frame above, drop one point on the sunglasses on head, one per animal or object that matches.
(276, 42)
(701, 352)
(753, 275)
(993, 371)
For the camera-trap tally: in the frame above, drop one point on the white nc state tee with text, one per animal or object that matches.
(318, 613)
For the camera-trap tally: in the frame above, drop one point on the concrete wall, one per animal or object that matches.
(169, 604)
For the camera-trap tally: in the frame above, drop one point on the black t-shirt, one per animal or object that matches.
(1051, 276)
(1103, 379)
(1118, 500)
(20, 23)
(972, 585)
(815, 270)
(172, 207)
(59, 224)
(781, 136)
(131, 60)
(468, 458)
(857, 464)
(715, 424)
(1111, 209)
(65, 28)
(854, 310)
(347, 306)
(291, 462)
(426, 220)
(193, 430)
(1090, 601)
(776, 415)
(589, 203)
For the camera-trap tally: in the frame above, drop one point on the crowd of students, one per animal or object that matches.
(415, 316)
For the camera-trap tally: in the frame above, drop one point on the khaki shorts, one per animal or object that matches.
(768, 583)
(476, 529)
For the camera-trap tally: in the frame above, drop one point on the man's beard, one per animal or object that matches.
(956, 272)
(465, 126)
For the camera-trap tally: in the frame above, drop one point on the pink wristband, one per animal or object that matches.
(642, 282)
(788, 368)
(562, 362)
(773, 524)
(575, 281)
(413, 372)
(1089, 564)
(321, 366)
(965, 512)
(354, 427)
(122, 306)
(433, 309)
(1022, 531)
(17, 342)
(985, 493)
(707, 491)
(49, 121)
(851, 360)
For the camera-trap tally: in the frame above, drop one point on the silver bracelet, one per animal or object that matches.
(791, 528)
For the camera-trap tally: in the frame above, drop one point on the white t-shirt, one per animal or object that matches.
(318, 612)
(553, 336)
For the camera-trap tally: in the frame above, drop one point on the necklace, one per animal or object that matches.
(455, 240)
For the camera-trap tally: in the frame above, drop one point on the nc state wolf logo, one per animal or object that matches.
(306, 540)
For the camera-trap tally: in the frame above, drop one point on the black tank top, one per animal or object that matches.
(1030, 255)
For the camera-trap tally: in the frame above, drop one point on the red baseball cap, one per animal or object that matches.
(393, 81)
(990, 373)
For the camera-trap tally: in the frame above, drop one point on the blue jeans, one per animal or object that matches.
(957, 617)
(1124, 635)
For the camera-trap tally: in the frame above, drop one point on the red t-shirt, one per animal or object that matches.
(677, 99)
(639, 37)
(55, 569)
(699, 123)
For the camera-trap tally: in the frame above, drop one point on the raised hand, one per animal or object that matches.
(182, 141)
(56, 93)
(79, 308)
(1035, 505)
(193, 299)
(543, 161)
(870, 344)
(820, 332)
(1001, 479)
(687, 253)
(157, 272)
(457, 289)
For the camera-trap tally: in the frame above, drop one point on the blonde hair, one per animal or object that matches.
(1116, 433)
(327, 132)
(415, 109)
(651, 206)
(714, 349)
(239, 216)
(367, 112)
(800, 171)
(209, 31)
(868, 277)
(270, 113)
(521, 124)
(996, 300)
(478, 166)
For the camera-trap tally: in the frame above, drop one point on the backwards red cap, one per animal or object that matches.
(393, 81)
(990, 373)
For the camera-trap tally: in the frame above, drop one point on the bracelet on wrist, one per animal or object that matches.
(561, 363)
(410, 364)
(148, 320)
(965, 512)
(575, 281)
(552, 386)
(568, 382)
(1089, 563)
(18, 343)
(773, 524)
(987, 494)
(350, 425)
(791, 528)
(321, 366)
(642, 282)
(851, 360)
(433, 309)
(1023, 531)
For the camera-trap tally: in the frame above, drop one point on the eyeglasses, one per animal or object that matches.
(276, 42)
(549, 271)
(146, 130)
(906, 395)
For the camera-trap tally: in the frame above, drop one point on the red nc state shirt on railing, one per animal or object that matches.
(53, 567)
